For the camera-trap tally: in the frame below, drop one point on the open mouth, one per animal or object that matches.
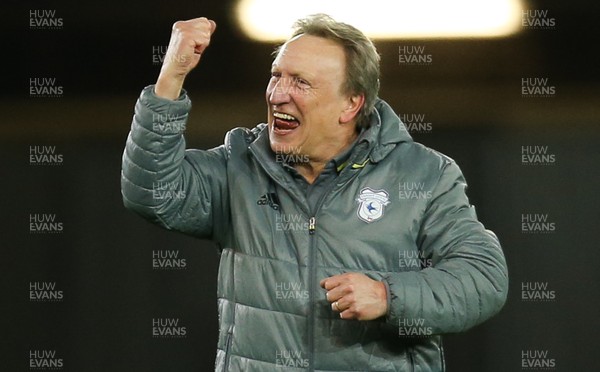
(284, 123)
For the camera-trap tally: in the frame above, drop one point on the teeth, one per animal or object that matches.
(284, 116)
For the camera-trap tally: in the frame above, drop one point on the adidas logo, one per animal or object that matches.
(269, 199)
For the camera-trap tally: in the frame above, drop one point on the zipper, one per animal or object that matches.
(227, 347)
(411, 361)
(312, 227)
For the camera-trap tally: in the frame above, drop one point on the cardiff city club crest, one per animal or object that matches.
(371, 204)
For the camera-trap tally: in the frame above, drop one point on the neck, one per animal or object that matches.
(313, 168)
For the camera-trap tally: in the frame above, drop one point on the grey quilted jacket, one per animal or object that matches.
(397, 212)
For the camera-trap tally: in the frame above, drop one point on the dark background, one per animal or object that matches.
(471, 94)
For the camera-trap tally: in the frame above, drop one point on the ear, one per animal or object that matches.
(353, 105)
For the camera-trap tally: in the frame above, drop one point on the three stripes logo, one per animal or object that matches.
(269, 199)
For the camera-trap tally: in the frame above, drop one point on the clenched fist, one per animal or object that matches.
(188, 41)
(356, 296)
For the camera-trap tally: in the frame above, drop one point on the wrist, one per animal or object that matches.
(385, 298)
(169, 87)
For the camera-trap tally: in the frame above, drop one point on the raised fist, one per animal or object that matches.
(188, 41)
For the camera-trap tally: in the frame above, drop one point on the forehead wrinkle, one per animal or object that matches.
(297, 62)
(293, 71)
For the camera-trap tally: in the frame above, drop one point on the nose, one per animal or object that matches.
(279, 91)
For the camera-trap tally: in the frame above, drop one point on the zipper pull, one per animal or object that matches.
(311, 225)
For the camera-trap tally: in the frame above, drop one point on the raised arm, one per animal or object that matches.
(178, 189)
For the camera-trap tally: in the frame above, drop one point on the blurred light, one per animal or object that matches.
(271, 20)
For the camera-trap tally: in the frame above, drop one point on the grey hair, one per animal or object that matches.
(362, 59)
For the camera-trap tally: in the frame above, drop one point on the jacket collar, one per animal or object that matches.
(385, 132)
(261, 149)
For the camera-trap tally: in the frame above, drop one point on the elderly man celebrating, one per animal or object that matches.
(345, 246)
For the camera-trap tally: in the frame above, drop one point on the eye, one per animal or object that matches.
(302, 83)
(275, 74)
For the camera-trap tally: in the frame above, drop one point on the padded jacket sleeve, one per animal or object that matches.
(177, 189)
(467, 281)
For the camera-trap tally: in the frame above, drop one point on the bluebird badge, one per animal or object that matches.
(371, 204)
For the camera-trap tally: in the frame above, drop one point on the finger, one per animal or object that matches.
(331, 282)
(200, 47)
(213, 26)
(337, 306)
(197, 30)
(322, 282)
(202, 41)
(338, 292)
(203, 24)
(347, 314)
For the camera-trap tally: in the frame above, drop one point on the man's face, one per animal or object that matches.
(305, 101)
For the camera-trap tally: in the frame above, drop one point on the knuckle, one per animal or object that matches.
(203, 23)
(178, 26)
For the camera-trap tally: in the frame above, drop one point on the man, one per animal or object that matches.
(346, 246)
